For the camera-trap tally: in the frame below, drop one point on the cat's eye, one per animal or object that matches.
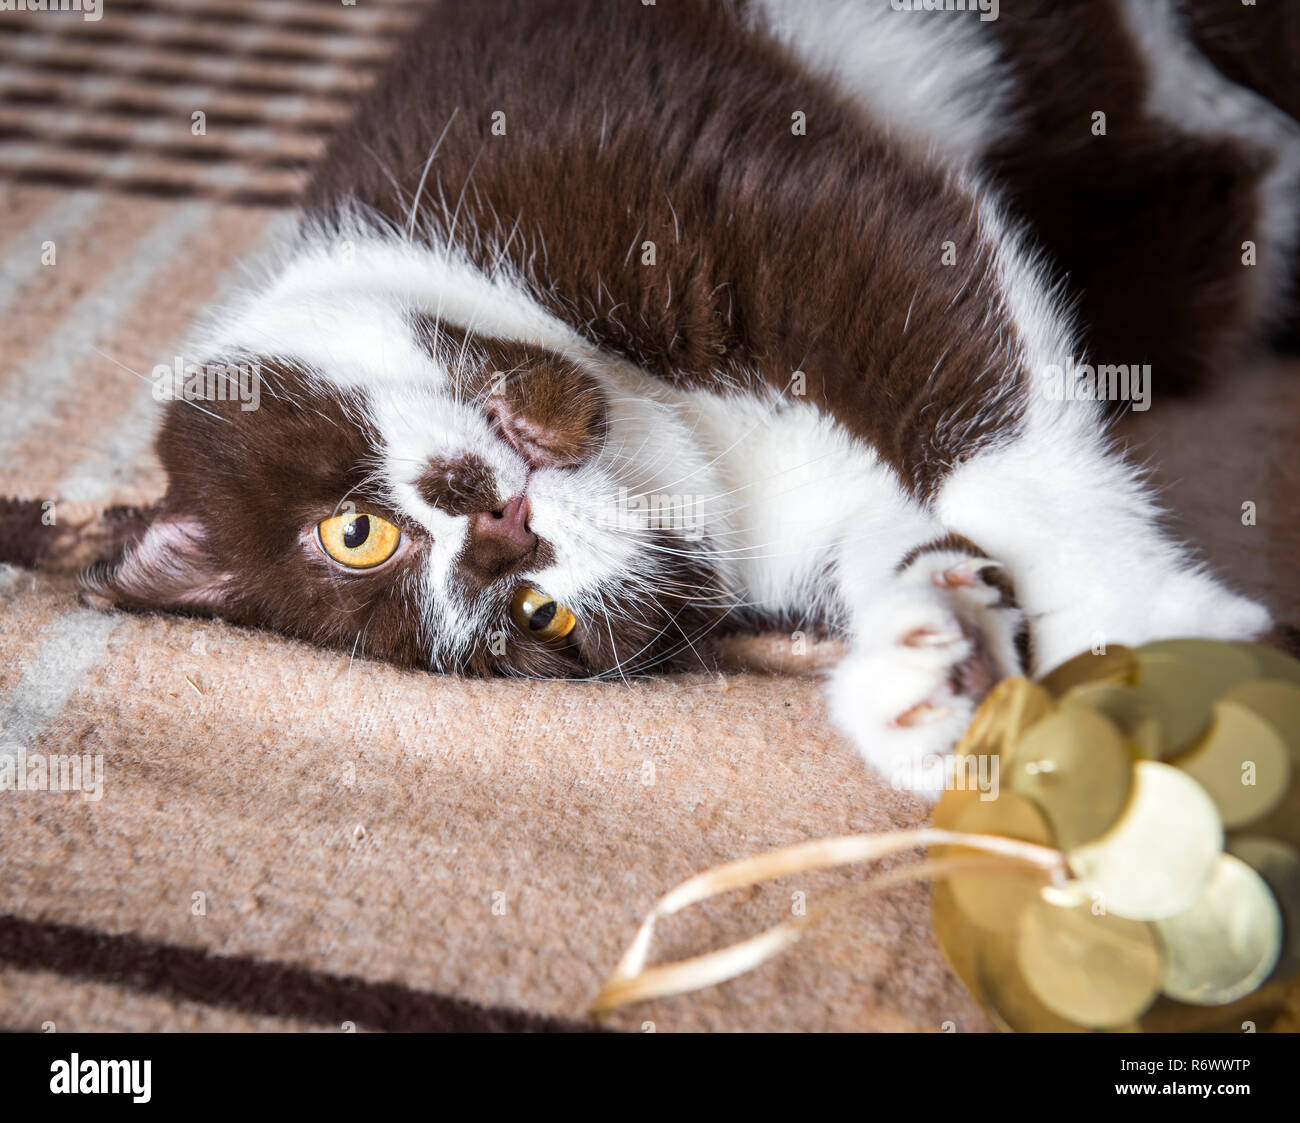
(358, 541)
(542, 617)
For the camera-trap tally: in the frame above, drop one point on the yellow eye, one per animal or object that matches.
(542, 617)
(358, 541)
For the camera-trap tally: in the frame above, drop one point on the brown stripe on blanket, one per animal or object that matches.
(189, 34)
(111, 104)
(32, 1001)
(76, 171)
(303, 15)
(257, 986)
(274, 148)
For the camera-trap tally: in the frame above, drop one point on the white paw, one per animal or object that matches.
(926, 652)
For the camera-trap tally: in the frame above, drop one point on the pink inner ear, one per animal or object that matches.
(168, 566)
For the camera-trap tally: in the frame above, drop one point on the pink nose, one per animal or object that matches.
(508, 525)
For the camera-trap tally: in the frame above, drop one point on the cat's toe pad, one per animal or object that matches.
(927, 653)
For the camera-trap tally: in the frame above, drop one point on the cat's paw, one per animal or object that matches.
(944, 632)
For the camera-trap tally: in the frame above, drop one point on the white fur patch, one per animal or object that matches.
(341, 302)
(932, 80)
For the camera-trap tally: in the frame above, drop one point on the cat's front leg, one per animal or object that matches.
(928, 644)
(1093, 565)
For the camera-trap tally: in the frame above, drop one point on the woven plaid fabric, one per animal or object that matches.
(227, 101)
(286, 839)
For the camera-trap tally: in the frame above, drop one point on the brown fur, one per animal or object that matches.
(541, 403)
(463, 485)
(775, 253)
(1257, 46)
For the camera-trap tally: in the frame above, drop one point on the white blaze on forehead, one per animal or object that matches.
(416, 423)
(344, 304)
(349, 338)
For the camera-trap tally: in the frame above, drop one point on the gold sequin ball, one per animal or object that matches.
(1169, 774)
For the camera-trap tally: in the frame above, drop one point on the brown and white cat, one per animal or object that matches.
(692, 314)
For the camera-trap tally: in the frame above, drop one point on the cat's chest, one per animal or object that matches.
(796, 491)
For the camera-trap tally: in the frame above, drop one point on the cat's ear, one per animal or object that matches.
(166, 567)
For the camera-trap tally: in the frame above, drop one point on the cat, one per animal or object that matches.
(611, 325)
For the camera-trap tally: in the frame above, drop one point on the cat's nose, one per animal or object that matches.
(500, 538)
(509, 524)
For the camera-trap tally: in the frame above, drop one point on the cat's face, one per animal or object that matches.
(400, 483)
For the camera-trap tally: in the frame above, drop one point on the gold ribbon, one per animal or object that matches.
(631, 981)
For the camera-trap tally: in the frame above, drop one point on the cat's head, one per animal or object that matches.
(347, 466)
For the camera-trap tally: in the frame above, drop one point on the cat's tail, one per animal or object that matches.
(1257, 46)
(1254, 45)
(65, 538)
